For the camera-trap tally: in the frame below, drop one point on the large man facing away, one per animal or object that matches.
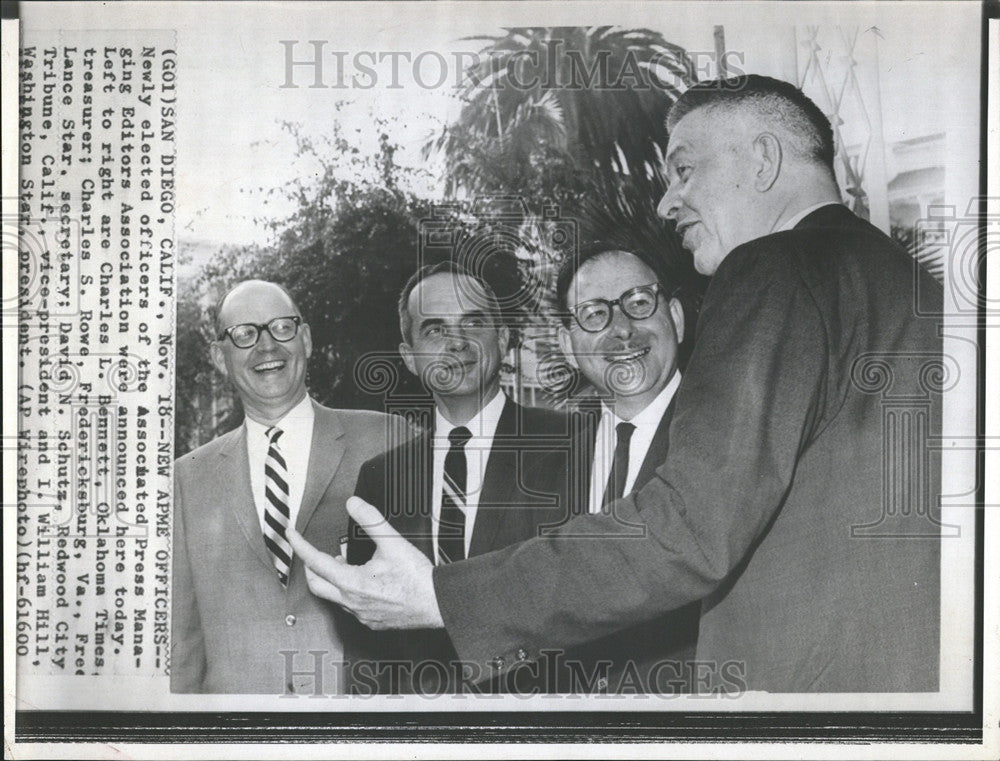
(773, 502)
(243, 619)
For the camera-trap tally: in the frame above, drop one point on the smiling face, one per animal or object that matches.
(711, 194)
(630, 360)
(456, 344)
(270, 377)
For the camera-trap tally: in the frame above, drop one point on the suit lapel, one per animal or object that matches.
(406, 477)
(234, 478)
(586, 449)
(325, 453)
(657, 451)
(499, 481)
(415, 464)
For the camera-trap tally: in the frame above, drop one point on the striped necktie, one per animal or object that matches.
(276, 515)
(451, 526)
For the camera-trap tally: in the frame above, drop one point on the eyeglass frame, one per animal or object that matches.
(260, 328)
(657, 289)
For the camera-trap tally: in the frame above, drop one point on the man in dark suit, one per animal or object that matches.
(783, 500)
(454, 340)
(243, 618)
(621, 328)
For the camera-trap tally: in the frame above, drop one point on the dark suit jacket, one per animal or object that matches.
(516, 500)
(810, 387)
(652, 656)
(233, 624)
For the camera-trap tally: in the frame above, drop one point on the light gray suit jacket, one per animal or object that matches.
(235, 629)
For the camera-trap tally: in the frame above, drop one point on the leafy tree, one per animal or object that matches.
(595, 96)
(923, 245)
(344, 252)
(194, 376)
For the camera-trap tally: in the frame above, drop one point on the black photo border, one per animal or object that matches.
(479, 727)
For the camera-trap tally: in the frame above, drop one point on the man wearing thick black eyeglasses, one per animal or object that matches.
(243, 618)
(621, 328)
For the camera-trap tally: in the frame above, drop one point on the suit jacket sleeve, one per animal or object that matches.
(187, 661)
(745, 409)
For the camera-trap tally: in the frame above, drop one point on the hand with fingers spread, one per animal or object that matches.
(393, 590)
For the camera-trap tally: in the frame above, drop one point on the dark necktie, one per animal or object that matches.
(451, 526)
(276, 506)
(619, 466)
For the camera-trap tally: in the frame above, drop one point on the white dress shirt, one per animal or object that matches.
(483, 428)
(294, 446)
(646, 423)
(789, 224)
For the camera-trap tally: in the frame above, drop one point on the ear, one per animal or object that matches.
(218, 358)
(503, 336)
(677, 315)
(566, 345)
(767, 161)
(307, 339)
(406, 352)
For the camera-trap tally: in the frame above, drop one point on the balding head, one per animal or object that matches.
(744, 156)
(772, 104)
(270, 375)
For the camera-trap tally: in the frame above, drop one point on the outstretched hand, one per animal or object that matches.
(393, 590)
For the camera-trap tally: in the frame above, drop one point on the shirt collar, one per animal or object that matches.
(301, 414)
(789, 224)
(654, 411)
(482, 425)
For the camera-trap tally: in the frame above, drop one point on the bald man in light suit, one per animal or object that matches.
(244, 620)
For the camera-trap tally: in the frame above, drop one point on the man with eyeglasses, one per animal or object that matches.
(243, 618)
(621, 328)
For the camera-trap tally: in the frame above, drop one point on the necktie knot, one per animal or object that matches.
(273, 434)
(459, 437)
(624, 431)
